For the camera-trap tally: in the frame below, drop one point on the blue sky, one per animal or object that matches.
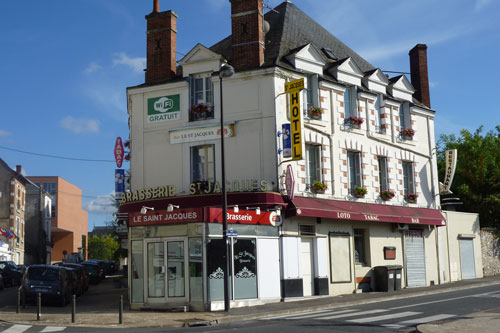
(64, 67)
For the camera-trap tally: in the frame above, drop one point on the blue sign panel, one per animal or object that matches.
(119, 183)
(232, 233)
(287, 141)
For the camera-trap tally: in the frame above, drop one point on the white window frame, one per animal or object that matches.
(408, 177)
(378, 114)
(310, 93)
(351, 102)
(207, 90)
(208, 167)
(383, 173)
(314, 164)
(354, 161)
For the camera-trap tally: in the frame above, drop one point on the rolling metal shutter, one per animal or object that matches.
(415, 258)
(467, 259)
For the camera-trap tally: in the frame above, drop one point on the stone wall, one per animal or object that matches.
(490, 248)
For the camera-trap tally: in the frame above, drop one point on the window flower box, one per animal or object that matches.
(407, 133)
(354, 121)
(360, 192)
(200, 111)
(387, 195)
(315, 112)
(411, 197)
(319, 187)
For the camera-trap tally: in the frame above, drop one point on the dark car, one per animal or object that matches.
(1, 282)
(52, 282)
(12, 275)
(111, 267)
(95, 271)
(83, 278)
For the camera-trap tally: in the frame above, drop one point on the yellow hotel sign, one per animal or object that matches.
(294, 88)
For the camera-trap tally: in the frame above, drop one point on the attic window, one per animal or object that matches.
(329, 53)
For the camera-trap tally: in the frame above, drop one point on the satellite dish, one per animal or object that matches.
(266, 27)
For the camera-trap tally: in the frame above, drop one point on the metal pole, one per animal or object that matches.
(39, 306)
(224, 205)
(18, 308)
(73, 308)
(120, 314)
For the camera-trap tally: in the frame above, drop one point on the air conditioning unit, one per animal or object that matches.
(402, 226)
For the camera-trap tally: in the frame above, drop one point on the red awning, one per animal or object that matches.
(348, 210)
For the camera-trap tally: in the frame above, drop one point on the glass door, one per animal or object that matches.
(176, 267)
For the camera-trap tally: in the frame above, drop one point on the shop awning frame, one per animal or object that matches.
(359, 211)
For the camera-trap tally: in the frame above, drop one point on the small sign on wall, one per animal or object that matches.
(389, 253)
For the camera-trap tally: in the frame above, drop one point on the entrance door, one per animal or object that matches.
(415, 258)
(306, 262)
(166, 271)
(467, 259)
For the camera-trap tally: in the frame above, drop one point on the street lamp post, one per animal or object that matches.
(225, 71)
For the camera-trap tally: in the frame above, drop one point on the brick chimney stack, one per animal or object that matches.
(247, 19)
(419, 73)
(161, 44)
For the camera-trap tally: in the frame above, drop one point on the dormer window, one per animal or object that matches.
(201, 97)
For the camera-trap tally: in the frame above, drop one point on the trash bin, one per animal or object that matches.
(398, 273)
(384, 278)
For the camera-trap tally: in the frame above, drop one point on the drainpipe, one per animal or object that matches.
(437, 254)
(431, 161)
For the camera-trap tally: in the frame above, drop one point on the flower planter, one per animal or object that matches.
(315, 117)
(387, 195)
(318, 187)
(411, 197)
(354, 121)
(359, 192)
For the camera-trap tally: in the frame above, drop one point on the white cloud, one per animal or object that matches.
(4, 133)
(480, 4)
(80, 125)
(92, 67)
(103, 204)
(136, 64)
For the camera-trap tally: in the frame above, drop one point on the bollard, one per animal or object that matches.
(39, 306)
(73, 309)
(18, 309)
(120, 316)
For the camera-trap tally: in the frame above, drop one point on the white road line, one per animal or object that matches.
(384, 317)
(351, 314)
(314, 315)
(53, 329)
(431, 302)
(296, 313)
(426, 319)
(17, 329)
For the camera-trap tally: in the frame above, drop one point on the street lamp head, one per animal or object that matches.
(226, 70)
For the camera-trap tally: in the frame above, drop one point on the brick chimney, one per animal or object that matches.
(419, 73)
(247, 19)
(161, 44)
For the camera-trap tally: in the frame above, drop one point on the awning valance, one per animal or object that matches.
(358, 211)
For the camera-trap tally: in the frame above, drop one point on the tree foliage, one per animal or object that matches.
(102, 247)
(477, 175)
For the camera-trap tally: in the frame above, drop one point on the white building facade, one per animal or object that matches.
(363, 194)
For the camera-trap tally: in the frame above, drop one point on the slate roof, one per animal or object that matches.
(291, 28)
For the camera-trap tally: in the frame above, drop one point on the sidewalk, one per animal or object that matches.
(99, 308)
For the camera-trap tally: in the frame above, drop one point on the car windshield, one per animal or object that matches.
(43, 273)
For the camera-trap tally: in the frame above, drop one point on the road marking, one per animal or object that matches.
(313, 315)
(431, 302)
(384, 317)
(352, 314)
(426, 319)
(17, 329)
(297, 314)
(53, 329)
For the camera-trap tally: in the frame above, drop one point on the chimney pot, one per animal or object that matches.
(156, 6)
(419, 73)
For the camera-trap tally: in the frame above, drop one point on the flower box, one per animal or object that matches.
(200, 111)
(360, 192)
(412, 197)
(319, 187)
(315, 112)
(354, 121)
(407, 133)
(387, 194)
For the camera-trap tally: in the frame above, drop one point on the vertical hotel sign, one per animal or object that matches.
(293, 88)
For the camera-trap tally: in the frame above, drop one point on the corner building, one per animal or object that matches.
(362, 192)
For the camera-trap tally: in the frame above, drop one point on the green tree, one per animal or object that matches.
(477, 175)
(102, 247)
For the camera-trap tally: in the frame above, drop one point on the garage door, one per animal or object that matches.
(415, 258)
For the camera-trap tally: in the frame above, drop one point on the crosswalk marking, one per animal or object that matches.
(314, 315)
(384, 317)
(426, 319)
(17, 329)
(294, 314)
(53, 329)
(351, 314)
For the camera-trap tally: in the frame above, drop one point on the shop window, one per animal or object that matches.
(202, 163)
(360, 246)
(312, 164)
(354, 164)
(408, 178)
(201, 97)
(175, 269)
(245, 268)
(382, 173)
(155, 266)
(195, 269)
(215, 269)
(137, 271)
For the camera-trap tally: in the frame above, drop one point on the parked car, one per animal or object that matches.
(82, 273)
(111, 266)
(95, 271)
(75, 281)
(74, 258)
(53, 282)
(103, 271)
(12, 275)
(1, 282)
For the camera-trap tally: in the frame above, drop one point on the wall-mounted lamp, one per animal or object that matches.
(170, 207)
(257, 209)
(145, 209)
(236, 209)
